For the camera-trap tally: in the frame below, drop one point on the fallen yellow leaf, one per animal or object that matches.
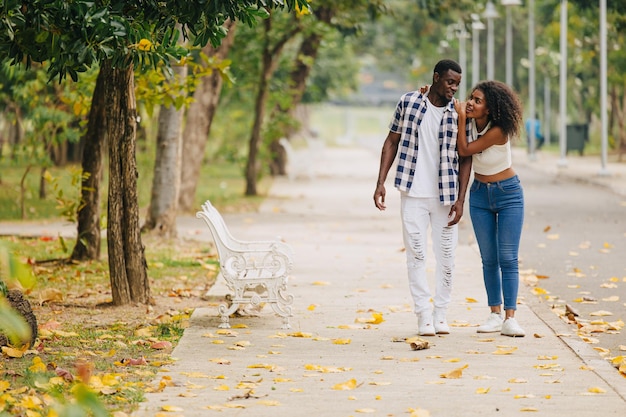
(596, 390)
(12, 352)
(171, 408)
(38, 365)
(601, 313)
(482, 390)
(300, 334)
(344, 386)
(454, 374)
(505, 350)
(419, 412)
(261, 366)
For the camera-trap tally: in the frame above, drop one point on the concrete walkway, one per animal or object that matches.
(349, 264)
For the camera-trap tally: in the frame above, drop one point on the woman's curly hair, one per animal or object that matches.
(505, 107)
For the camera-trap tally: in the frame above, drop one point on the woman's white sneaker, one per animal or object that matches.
(492, 325)
(510, 327)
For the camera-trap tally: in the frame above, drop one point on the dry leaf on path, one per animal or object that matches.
(344, 386)
(454, 374)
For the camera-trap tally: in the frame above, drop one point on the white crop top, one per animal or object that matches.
(492, 160)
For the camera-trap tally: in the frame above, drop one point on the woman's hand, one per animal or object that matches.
(460, 106)
(424, 89)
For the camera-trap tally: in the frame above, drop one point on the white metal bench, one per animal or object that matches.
(255, 271)
(299, 161)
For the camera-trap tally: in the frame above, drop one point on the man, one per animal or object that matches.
(432, 180)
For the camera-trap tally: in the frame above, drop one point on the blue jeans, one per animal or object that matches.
(497, 212)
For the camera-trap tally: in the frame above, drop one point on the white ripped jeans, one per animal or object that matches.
(417, 215)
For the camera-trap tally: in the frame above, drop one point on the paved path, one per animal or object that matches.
(348, 264)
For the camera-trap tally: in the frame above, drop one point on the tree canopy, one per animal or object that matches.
(75, 35)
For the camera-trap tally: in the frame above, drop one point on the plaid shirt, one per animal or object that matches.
(409, 114)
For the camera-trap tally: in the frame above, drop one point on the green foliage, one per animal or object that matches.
(77, 35)
(155, 88)
(13, 272)
(68, 205)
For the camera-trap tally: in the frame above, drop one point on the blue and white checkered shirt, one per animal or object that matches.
(408, 116)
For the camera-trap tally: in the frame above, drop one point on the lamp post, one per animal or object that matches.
(462, 35)
(563, 86)
(508, 4)
(490, 14)
(603, 87)
(477, 26)
(531, 76)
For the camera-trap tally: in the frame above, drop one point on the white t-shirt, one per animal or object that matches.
(426, 179)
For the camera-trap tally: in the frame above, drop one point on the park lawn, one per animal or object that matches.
(80, 333)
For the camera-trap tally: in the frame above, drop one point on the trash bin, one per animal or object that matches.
(577, 136)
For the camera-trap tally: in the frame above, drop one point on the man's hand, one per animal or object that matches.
(379, 197)
(456, 212)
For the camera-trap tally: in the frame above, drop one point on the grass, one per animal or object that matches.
(121, 348)
(221, 181)
(117, 351)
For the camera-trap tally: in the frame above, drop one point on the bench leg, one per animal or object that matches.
(281, 302)
(225, 313)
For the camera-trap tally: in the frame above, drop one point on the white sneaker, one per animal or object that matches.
(440, 322)
(511, 328)
(492, 325)
(425, 324)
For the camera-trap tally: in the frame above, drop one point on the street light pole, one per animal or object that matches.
(462, 35)
(490, 14)
(509, 38)
(531, 77)
(603, 87)
(477, 26)
(563, 86)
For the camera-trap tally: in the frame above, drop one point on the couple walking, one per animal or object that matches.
(438, 141)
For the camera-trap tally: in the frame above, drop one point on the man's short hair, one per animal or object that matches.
(446, 65)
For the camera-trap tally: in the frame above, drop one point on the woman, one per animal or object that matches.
(496, 196)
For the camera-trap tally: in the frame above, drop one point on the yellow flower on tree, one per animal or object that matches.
(144, 45)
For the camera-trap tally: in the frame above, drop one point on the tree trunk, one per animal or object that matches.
(199, 119)
(42, 183)
(298, 77)
(127, 263)
(87, 245)
(161, 216)
(269, 64)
